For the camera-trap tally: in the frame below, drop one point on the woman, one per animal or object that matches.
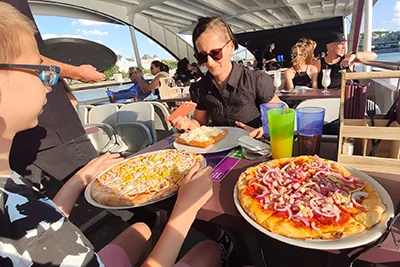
(228, 94)
(269, 58)
(302, 73)
(159, 70)
(184, 75)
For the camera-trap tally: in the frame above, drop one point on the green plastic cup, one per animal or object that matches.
(281, 130)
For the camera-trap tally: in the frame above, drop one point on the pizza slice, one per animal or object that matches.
(202, 137)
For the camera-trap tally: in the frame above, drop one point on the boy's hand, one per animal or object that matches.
(96, 166)
(195, 189)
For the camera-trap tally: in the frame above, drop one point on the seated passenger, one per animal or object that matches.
(184, 76)
(337, 60)
(136, 85)
(158, 69)
(34, 229)
(228, 94)
(301, 73)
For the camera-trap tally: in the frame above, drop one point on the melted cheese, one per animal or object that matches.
(201, 134)
(148, 173)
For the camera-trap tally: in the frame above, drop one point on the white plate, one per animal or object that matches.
(352, 241)
(287, 91)
(228, 142)
(90, 200)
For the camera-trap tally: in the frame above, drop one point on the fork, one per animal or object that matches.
(371, 112)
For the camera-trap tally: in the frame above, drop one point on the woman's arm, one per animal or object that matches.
(147, 87)
(313, 73)
(184, 123)
(289, 75)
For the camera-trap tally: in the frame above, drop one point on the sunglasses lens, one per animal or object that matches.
(49, 78)
(201, 58)
(216, 54)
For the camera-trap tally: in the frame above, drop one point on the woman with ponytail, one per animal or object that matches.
(159, 70)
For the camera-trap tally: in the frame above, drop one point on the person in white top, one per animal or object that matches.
(159, 70)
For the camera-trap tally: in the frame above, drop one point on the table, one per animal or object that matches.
(130, 100)
(309, 94)
(221, 209)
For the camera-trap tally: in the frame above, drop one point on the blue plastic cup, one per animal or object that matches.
(280, 58)
(310, 122)
(264, 114)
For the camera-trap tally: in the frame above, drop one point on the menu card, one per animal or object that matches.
(223, 162)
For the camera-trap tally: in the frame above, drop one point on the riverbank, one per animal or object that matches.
(387, 50)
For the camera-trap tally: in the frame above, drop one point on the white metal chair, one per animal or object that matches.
(142, 112)
(83, 113)
(331, 106)
(101, 137)
(163, 128)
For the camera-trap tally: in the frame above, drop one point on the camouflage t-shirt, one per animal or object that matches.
(34, 232)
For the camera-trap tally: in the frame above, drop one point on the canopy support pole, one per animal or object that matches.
(367, 29)
(134, 41)
(356, 19)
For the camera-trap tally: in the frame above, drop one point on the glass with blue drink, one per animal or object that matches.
(111, 96)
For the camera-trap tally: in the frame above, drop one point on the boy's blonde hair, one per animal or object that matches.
(13, 24)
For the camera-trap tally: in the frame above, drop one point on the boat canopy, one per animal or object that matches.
(163, 20)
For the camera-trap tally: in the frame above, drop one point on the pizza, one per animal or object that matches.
(144, 178)
(202, 136)
(308, 198)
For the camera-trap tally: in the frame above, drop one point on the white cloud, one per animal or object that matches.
(85, 22)
(150, 41)
(396, 18)
(93, 32)
(54, 35)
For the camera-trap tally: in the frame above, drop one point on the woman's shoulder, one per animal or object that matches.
(162, 73)
(312, 69)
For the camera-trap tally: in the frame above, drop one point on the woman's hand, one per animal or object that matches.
(183, 123)
(195, 189)
(253, 132)
(95, 167)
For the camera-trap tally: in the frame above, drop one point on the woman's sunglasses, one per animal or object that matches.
(215, 54)
(47, 74)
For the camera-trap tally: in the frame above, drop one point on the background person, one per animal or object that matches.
(337, 60)
(301, 73)
(136, 85)
(268, 58)
(159, 70)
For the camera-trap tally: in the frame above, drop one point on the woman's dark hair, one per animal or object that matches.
(206, 23)
(182, 65)
(159, 64)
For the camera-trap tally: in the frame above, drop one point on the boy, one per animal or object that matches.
(36, 230)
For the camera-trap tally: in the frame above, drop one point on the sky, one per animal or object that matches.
(386, 16)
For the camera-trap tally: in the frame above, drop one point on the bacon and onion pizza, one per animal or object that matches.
(308, 198)
(144, 178)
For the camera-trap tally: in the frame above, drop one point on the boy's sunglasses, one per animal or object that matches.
(215, 54)
(47, 74)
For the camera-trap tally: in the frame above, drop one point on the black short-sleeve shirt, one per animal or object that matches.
(240, 101)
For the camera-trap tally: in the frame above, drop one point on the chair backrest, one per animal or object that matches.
(83, 113)
(135, 136)
(331, 106)
(163, 128)
(104, 114)
(101, 138)
(142, 112)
